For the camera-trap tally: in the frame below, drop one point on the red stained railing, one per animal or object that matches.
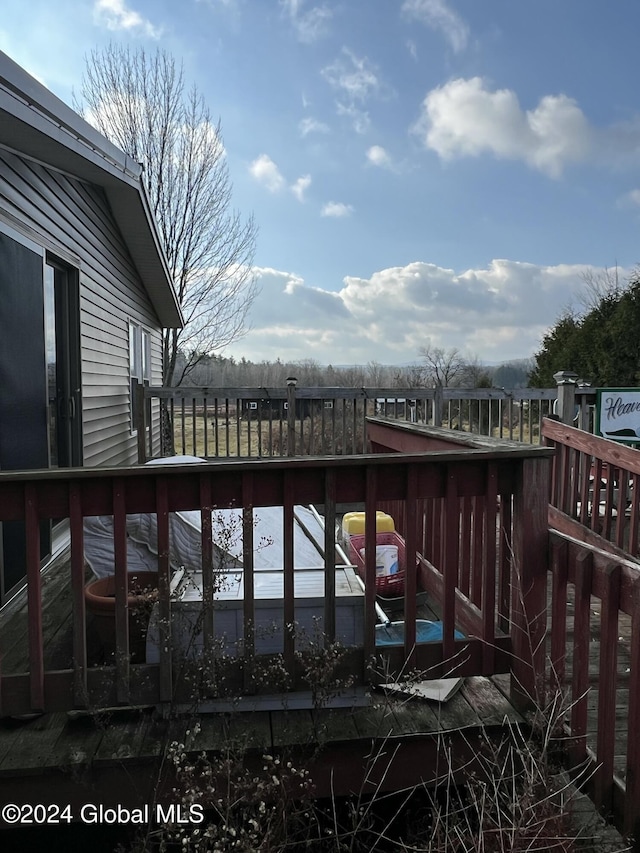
(596, 482)
(595, 597)
(438, 496)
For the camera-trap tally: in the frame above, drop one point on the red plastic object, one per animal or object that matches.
(389, 586)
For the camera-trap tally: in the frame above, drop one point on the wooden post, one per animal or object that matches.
(437, 406)
(291, 415)
(529, 582)
(566, 381)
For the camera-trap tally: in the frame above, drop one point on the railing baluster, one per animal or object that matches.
(345, 449)
(581, 640)
(608, 502)
(333, 427)
(479, 509)
(193, 427)
(559, 553)
(226, 427)
(330, 555)
(205, 423)
(289, 574)
(164, 590)
(632, 779)
(370, 565)
(465, 547)
(183, 426)
(77, 586)
(449, 565)
(505, 563)
(354, 433)
(248, 579)
(529, 594)
(121, 590)
(34, 597)
(595, 500)
(584, 470)
(606, 738)
(238, 428)
(489, 572)
(209, 577)
(410, 576)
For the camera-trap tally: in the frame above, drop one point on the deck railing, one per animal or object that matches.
(294, 421)
(441, 494)
(595, 482)
(594, 662)
(595, 607)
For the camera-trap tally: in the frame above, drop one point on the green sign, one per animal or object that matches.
(618, 414)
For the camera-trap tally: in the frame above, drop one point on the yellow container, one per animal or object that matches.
(353, 523)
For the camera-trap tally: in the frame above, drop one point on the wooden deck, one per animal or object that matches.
(116, 753)
(492, 567)
(114, 756)
(81, 745)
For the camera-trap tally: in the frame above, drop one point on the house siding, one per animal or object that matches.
(73, 220)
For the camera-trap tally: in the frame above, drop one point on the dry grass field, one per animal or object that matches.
(220, 437)
(225, 436)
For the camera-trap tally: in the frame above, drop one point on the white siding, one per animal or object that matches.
(73, 219)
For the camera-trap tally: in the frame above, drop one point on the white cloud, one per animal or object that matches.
(465, 118)
(309, 24)
(378, 156)
(336, 209)
(115, 15)
(497, 313)
(359, 118)
(301, 186)
(356, 80)
(355, 77)
(632, 198)
(312, 125)
(265, 171)
(439, 16)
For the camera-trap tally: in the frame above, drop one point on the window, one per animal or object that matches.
(139, 365)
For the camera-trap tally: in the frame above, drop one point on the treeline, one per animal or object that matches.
(221, 372)
(600, 342)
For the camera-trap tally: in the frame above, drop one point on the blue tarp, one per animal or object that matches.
(392, 633)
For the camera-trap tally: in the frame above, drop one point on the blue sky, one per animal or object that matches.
(421, 171)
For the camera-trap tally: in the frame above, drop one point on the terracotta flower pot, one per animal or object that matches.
(100, 602)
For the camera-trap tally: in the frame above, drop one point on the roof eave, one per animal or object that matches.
(39, 125)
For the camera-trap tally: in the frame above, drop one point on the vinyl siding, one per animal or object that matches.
(74, 221)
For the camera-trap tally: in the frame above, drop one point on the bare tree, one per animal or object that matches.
(140, 102)
(598, 286)
(474, 374)
(442, 367)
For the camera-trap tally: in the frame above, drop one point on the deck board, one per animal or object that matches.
(84, 748)
(30, 751)
(76, 744)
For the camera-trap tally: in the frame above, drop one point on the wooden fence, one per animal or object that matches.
(292, 421)
(457, 483)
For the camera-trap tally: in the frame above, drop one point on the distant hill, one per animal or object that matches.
(512, 374)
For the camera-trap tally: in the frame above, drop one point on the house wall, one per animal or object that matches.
(73, 220)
